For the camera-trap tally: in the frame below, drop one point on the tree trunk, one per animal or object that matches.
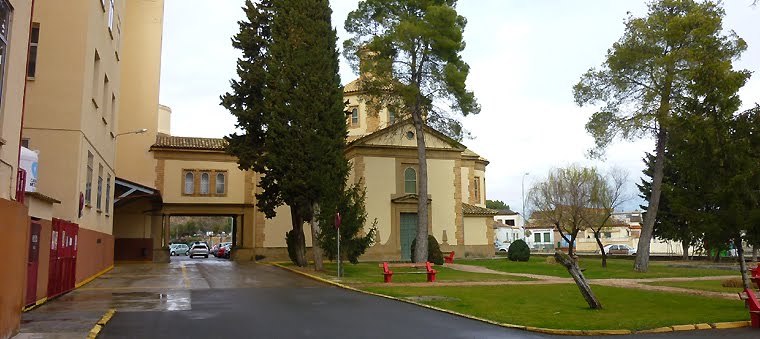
(300, 243)
(685, 247)
(580, 280)
(421, 247)
(642, 252)
(601, 248)
(742, 263)
(754, 253)
(316, 248)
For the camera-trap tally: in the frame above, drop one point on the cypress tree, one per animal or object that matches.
(289, 103)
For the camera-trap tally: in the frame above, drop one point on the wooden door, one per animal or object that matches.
(408, 233)
(33, 263)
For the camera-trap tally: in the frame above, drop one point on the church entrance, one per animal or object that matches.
(408, 233)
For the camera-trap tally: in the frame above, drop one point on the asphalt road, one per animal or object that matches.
(215, 298)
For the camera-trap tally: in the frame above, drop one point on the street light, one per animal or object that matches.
(523, 198)
(139, 131)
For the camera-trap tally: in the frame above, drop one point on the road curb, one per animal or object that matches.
(101, 323)
(688, 327)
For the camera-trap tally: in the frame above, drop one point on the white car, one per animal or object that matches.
(501, 247)
(615, 249)
(199, 249)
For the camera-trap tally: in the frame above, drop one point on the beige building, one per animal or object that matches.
(15, 18)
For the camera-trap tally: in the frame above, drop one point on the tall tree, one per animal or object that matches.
(289, 104)
(648, 77)
(410, 58)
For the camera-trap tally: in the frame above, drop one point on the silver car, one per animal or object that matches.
(199, 249)
(178, 249)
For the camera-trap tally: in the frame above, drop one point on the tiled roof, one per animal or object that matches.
(166, 141)
(476, 210)
(353, 86)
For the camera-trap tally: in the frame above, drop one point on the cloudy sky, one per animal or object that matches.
(524, 56)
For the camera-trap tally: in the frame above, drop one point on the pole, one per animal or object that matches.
(523, 203)
(337, 230)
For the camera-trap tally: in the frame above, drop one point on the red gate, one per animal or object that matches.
(33, 263)
(63, 257)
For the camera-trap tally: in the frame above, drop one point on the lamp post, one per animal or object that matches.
(523, 201)
(139, 131)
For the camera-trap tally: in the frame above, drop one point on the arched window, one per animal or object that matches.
(220, 183)
(189, 185)
(355, 116)
(204, 183)
(391, 115)
(410, 180)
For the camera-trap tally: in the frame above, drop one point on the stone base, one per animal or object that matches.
(161, 255)
(243, 254)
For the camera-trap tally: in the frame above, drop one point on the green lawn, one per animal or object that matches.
(371, 273)
(563, 307)
(616, 268)
(705, 285)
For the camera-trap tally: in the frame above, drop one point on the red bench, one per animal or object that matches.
(449, 258)
(388, 274)
(755, 275)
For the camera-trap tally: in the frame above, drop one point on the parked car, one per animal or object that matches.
(500, 246)
(199, 249)
(224, 251)
(618, 249)
(178, 249)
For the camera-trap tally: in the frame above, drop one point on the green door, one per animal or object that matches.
(408, 233)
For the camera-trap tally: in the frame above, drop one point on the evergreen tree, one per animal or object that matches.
(496, 205)
(353, 241)
(654, 72)
(408, 52)
(289, 104)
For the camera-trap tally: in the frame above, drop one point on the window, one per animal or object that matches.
(204, 183)
(509, 222)
(5, 23)
(220, 183)
(110, 15)
(547, 238)
(410, 180)
(108, 193)
(391, 115)
(25, 142)
(100, 187)
(189, 183)
(106, 95)
(113, 110)
(34, 39)
(354, 117)
(607, 234)
(477, 189)
(537, 237)
(88, 185)
(95, 77)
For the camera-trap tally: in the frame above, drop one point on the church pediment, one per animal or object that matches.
(403, 134)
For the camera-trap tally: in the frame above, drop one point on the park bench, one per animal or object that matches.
(754, 306)
(449, 259)
(388, 274)
(755, 275)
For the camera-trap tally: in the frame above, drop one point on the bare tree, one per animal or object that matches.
(560, 201)
(606, 195)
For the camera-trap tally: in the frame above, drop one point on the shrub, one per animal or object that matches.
(434, 250)
(518, 251)
(733, 283)
(290, 240)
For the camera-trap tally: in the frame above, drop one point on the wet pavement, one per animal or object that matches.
(215, 298)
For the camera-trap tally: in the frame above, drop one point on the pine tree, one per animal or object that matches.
(353, 241)
(289, 103)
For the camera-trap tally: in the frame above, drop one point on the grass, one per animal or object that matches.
(371, 273)
(616, 268)
(704, 285)
(562, 306)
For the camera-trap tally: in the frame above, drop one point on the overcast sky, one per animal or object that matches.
(524, 56)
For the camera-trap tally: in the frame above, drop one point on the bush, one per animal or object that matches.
(434, 250)
(518, 251)
(290, 240)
